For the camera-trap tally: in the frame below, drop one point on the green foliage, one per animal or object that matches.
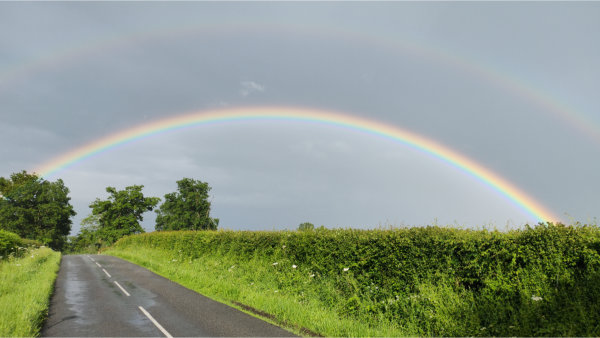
(119, 215)
(306, 226)
(539, 281)
(9, 243)
(88, 239)
(36, 209)
(186, 209)
(32, 243)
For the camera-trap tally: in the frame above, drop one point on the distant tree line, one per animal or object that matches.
(37, 209)
(120, 215)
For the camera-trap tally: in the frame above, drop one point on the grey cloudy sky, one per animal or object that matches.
(512, 85)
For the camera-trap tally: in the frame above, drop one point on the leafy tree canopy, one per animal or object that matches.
(88, 239)
(120, 214)
(35, 208)
(306, 226)
(186, 209)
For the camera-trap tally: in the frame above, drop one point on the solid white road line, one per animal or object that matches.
(124, 291)
(162, 329)
(106, 272)
(98, 265)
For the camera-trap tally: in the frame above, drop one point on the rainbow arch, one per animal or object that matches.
(425, 145)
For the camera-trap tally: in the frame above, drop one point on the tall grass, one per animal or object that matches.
(26, 284)
(541, 281)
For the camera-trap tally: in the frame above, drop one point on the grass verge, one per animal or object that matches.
(253, 284)
(26, 285)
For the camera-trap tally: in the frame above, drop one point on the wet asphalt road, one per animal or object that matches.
(105, 296)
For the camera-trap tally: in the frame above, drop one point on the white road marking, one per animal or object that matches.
(106, 272)
(98, 265)
(124, 291)
(162, 329)
(91, 258)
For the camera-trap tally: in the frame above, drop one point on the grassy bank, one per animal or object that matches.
(541, 281)
(26, 284)
(254, 283)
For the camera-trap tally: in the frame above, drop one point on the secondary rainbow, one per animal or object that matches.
(522, 200)
(511, 83)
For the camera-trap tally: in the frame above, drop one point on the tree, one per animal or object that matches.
(186, 209)
(121, 213)
(36, 209)
(88, 239)
(306, 226)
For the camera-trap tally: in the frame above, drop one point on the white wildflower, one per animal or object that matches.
(311, 275)
(346, 269)
(276, 290)
(275, 263)
(536, 298)
(283, 247)
(294, 266)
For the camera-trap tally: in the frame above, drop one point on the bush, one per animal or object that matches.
(32, 243)
(9, 243)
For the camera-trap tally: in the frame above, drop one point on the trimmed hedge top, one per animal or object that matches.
(395, 258)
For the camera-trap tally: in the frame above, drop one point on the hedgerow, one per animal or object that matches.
(540, 280)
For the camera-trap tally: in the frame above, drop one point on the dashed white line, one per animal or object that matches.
(106, 272)
(124, 291)
(91, 258)
(162, 329)
(98, 265)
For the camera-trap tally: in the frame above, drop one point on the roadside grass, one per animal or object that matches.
(255, 284)
(26, 284)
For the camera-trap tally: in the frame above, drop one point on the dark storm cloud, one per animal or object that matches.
(73, 72)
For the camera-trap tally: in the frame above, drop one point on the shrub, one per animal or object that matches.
(9, 243)
(32, 243)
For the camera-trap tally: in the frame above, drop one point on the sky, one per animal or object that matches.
(511, 85)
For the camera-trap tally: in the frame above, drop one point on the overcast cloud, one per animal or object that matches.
(484, 79)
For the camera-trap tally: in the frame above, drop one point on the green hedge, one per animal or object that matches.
(32, 243)
(542, 280)
(394, 259)
(9, 243)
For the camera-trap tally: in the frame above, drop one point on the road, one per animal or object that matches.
(105, 296)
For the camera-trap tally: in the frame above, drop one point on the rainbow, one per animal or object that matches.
(413, 140)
